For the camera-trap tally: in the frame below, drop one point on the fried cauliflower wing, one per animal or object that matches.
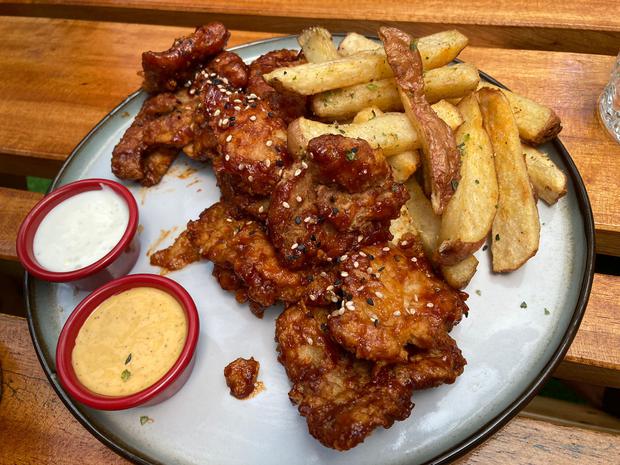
(342, 196)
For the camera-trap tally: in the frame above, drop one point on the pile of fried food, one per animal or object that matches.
(316, 154)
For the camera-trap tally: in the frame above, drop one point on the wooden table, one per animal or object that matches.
(65, 64)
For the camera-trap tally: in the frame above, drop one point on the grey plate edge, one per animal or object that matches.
(475, 439)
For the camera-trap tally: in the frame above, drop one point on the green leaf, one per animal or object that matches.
(128, 359)
(125, 375)
(547, 312)
(413, 45)
(372, 86)
(454, 184)
(523, 304)
(478, 292)
(145, 419)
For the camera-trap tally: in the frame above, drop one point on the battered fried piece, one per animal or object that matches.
(287, 105)
(168, 122)
(343, 399)
(169, 70)
(241, 376)
(151, 143)
(242, 247)
(341, 197)
(393, 301)
(441, 156)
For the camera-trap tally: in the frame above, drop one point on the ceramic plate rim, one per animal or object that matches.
(476, 438)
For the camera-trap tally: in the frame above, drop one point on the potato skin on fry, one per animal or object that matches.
(441, 157)
(516, 229)
(468, 217)
(548, 181)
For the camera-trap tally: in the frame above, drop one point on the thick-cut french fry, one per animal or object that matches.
(548, 181)
(439, 83)
(391, 132)
(314, 78)
(468, 217)
(367, 114)
(516, 228)
(537, 123)
(355, 43)
(435, 50)
(441, 158)
(317, 45)
(404, 164)
(426, 225)
(448, 113)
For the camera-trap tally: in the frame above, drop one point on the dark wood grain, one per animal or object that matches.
(36, 428)
(562, 26)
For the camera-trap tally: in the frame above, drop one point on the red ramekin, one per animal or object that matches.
(163, 389)
(116, 263)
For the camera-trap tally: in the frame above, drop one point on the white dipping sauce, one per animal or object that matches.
(80, 230)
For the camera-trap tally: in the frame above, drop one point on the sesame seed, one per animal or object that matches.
(250, 178)
(361, 288)
(415, 297)
(226, 157)
(312, 297)
(229, 220)
(269, 143)
(252, 96)
(414, 260)
(369, 270)
(237, 100)
(192, 91)
(396, 313)
(294, 246)
(307, 219)
(373, 318)
(267, 163)
(217, 112)
(344, 257)
(359, 239)
(344, 274)
(224, 122)
(286, 205)
(362, 253)
(379, 294)
(280, 172)
(241, 166)
(356, 264)
(297, 172)
(304, 165)
(261, 209)
(341, 311)
(237, 108)
(229, 138)
(403, 243)
(253, 118)
(350, 305)
(322, 273)
(430, 305)
(310, 341)
(386, 249)
(330, 288)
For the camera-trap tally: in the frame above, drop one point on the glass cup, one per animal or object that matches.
(609, 103)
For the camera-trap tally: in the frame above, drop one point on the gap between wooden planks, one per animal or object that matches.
(35, 427)
(571, 25)
(78, 71)
(594, 356)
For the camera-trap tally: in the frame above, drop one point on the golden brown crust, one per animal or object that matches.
(441, 156)
(241, 375)
(167, 71)
(392, 302)
(287, 105)
(552, 129)
(342, 196)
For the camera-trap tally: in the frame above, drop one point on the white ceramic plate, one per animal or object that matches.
(510, 350)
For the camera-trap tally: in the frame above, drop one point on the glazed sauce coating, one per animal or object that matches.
(241, 376)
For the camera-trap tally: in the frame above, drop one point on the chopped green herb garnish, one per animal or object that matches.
(485, 247)
(413, 45)
(128, 359)
(351, 155)
(341, 131)
(477, 182)
(461, 147)
(372, 86)
(478, 292)
(145, 419)
(547, 312)
(125, 375)
(370, 301)
(523, 304)
(497, 237)
(374, 115)
(455, 184)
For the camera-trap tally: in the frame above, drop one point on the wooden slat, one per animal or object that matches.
(585, 360)
(77, 71)
(567, 26)
(35, 427)
(14, 206)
